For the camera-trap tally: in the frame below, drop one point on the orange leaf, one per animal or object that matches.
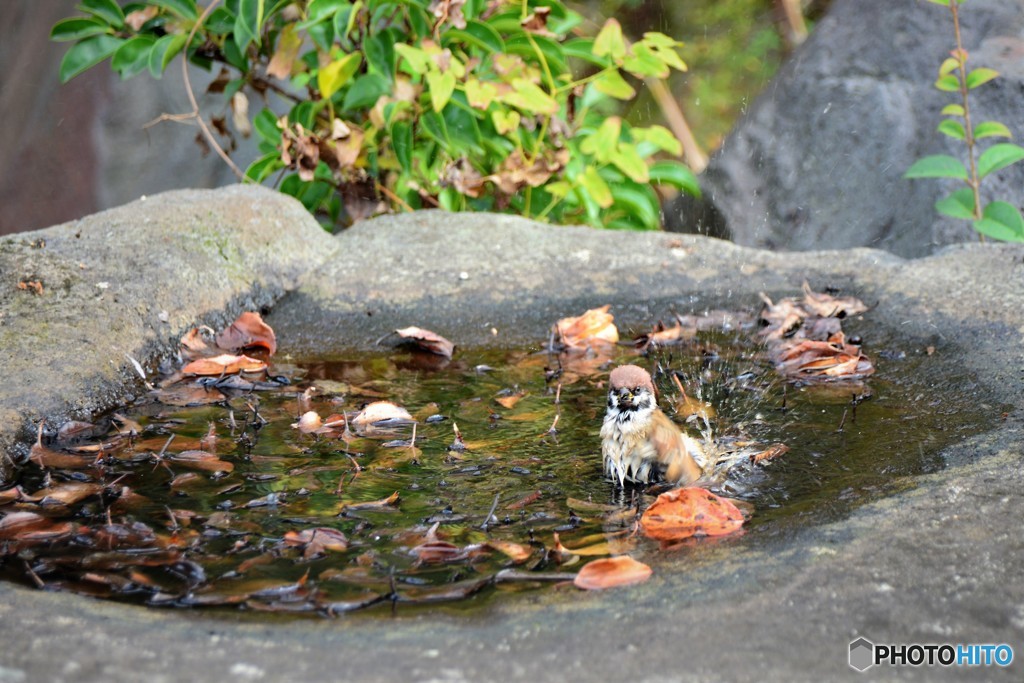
(611, 572)
(225, 364)
(682, 513)
(248, 332)
(595, 324)
(201, 460)
(427, 340)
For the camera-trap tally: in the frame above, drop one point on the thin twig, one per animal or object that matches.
(487, 520)
(693, 155)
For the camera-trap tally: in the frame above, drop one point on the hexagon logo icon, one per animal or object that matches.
(862, 654)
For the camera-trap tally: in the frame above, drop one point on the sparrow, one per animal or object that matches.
(639, 443)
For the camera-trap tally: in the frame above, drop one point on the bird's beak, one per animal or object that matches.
(625, 396)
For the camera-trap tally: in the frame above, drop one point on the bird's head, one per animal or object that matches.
(630, 389)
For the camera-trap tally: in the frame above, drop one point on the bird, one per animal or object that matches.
(639, 443)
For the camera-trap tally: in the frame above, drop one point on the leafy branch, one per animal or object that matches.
(998, 219)
(391, 105)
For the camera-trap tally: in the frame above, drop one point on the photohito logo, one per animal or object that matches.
(864, 654)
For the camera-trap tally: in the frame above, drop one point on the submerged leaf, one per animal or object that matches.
(611, 572)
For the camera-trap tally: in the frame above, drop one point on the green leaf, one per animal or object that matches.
(948, 66)
(948, 83)
(601, 143)
(609, 41)
(989, 129)
(265, 124)
(643, 62)
(380, 53)
(186, 9)
(1001, 221)
(944, 3)
(331, 78)
(107, 10)
(595, 186)
(260, 169)
(463, 129)
(676, 175)
(612, 83)
(365, 92)
(249, 22)
(476, 33)
(416, 60)
(980, 76)
(321, 10)
(480, 94)
(526, 46)
(76, 28)
(953, 129)
(583, 48)
(86, 54)
(960, 204)
(999, 156)
(629, 161)
(164, 51)
(133, 56)
(661, 137)
(441, 86)
(953, 110)
(937, 166)
(528, 96)
(643, 207)
(434, 127)
(401, 143)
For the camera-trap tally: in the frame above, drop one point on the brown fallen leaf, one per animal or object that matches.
(194, 346)
(510, 400)
(201, 460)
(515, 551)
(378, 411)
(224, 364)
(773, 451)
(382, 504)
(309, 423)
(248, 332)
(427, 340)
(47, 457)
(597, 324)
(317, 541)
(828, 306)
(611, 572)
(685, 512)
(665, 336)
(34, 286)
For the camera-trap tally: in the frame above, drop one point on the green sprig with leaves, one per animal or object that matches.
(998, 219)
(389, 105)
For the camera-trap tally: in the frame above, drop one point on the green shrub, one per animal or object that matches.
(998, 220)
(402, 104)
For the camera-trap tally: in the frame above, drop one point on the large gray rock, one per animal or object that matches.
(939, 562)
(199, 256)
(818, 161)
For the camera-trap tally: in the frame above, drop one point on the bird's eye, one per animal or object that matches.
(637, 390)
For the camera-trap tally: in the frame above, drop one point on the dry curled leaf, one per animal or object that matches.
(379, 411)
(248, 332)
(309, 423)
(773, 451)
(685, 512)
(427, 340)
(224, 364)
(597, 324)
(611, 572)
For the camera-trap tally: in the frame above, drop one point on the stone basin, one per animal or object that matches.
(938, 562)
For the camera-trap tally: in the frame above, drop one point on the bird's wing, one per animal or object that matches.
(673, 449)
